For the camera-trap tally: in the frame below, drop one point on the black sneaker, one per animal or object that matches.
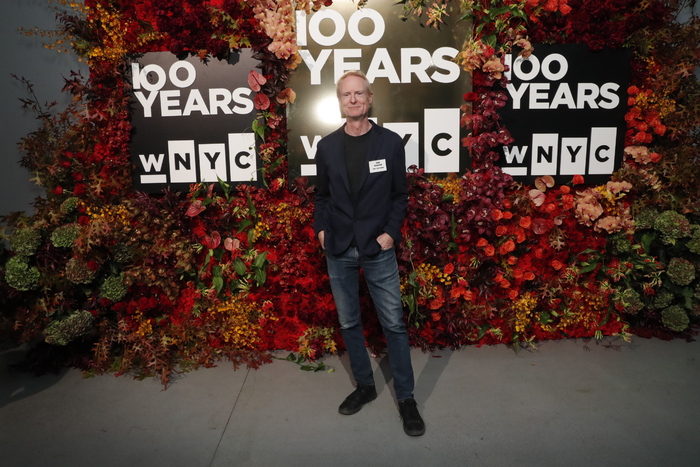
(359, 397)
(413, 424)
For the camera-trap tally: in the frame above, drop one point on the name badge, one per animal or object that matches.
(377, 166)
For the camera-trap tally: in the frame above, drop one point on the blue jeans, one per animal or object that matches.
(382, 276)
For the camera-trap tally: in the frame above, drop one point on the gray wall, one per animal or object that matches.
(26, 56)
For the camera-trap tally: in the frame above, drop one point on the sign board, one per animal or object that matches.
(417, 87)
(566, 112)
(192, 121)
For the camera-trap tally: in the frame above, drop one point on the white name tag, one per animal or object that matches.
(377, 166)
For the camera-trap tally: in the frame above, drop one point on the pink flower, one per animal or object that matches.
(195, 208)
(255, 80)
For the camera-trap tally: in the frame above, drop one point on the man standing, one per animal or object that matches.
(361, 202)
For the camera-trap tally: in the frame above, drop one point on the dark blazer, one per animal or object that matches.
(381, 201)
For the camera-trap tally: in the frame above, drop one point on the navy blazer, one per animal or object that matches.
(381, 200)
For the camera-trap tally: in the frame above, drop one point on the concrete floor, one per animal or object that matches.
(568, 403)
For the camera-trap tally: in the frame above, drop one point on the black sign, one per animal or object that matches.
(417, 87)
(566, 112)
(192, 121)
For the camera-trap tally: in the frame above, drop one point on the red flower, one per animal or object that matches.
(58, 190)
(213, 240)
(261, 101)
(80, 189)
(83, 220)
(470, 96)
(578, 179)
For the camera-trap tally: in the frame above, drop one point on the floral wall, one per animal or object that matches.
(110, 280)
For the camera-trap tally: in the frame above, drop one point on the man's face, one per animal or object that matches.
(354, 98)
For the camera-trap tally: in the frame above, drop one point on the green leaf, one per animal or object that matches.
(588, 267)
(259, 261)
(259, 129)
(218, 283)
(260, 277)
(240, 267)
(647, 238)
(245, 223)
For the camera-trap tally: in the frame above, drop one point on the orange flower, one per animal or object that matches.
(525, 222)
(507, 247)
(557, 264)
(482, 242)
(449, 269)
(489, 250)
(520, 235)
(512, 260)
(564, 189)
(501, 230)
(529, 276)
(497, 215)
(513, 294)
(578, 179)
(507, 215)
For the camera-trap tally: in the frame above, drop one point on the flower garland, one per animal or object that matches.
(127, 282)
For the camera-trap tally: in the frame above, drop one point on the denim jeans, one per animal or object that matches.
(381, 273)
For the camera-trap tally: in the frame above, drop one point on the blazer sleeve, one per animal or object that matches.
(322, 197)
(399, 192)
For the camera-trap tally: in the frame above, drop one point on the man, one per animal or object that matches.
(360, 206)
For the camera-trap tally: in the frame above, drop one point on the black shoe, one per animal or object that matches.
(413, 424)
(359, 397)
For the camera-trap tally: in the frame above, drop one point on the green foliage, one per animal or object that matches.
(65, 236)
(113, 288)
(79, 272)
(672, 226)
(675, 318)
(26, 241)
(681, 271)
(64, 331)
(19, 275)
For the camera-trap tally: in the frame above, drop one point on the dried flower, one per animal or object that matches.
(672, 226)
(113, 288)
(65, 236)
(26, 241)
(680, 271)
(20, 276)
(63, 331)
(663, 300)
(79, 272)
(675, 318)
(645, 219)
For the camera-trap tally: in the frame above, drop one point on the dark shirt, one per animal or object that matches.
(355, 160)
